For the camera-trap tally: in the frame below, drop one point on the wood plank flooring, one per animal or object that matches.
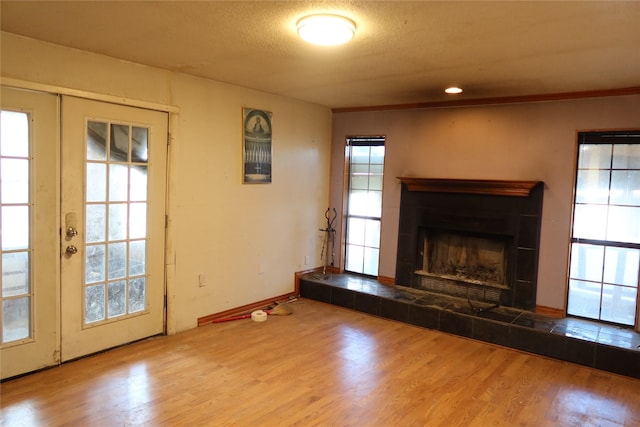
(321, 366)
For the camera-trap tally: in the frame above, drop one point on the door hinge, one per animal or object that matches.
(168, 138)
(166, 221)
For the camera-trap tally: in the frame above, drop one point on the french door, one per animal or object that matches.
(29, 231)
(82, 213)
(112, 261)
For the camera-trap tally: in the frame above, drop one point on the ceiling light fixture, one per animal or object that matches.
(326, 29)
(453, 90)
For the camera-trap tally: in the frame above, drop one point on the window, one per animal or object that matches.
(605, 242)
(364, 204)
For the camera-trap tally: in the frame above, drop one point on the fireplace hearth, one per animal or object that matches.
(475, 239)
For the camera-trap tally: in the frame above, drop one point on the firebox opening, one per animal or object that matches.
(464, 257)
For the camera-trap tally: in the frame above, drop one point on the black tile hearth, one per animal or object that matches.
(600, 346)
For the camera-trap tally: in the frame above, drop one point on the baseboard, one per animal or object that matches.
(550, 311)
(389, 281)
(205, 320)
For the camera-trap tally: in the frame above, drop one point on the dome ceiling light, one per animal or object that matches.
(453, 90)
(326, 29)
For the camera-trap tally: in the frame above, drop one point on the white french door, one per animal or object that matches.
(29, 199)
(113, 220)
(82, 220)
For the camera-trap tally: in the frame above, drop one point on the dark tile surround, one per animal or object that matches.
(596, 345)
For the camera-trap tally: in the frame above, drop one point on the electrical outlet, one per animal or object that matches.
(307, 260)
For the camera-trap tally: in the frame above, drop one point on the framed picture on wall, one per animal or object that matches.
(256, 146)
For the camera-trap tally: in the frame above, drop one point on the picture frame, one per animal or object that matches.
(257, 151)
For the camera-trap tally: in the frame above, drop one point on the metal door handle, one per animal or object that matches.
(72, 232)
(71, 250)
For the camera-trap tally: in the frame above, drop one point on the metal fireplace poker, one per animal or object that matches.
(329, 234)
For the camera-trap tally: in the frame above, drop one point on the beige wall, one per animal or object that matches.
(529, 141)
(248, 240)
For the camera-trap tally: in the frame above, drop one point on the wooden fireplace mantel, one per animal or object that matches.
(470, 186)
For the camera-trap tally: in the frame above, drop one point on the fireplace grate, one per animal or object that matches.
(457, 288)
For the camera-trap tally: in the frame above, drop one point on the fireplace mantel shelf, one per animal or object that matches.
(470, 186)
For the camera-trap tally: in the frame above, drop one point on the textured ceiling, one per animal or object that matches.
(403, 52)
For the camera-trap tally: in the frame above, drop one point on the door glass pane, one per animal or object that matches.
(14, 134)
(96, 223)
(139, 144)
(15, 227)
(118, 221)
(119, 148)
(117, 298)
(118, 183)
(138, 184)
(96, 141)
(16, 319)
(14, 175)
(15, 273)
(95, 263)
(96, 182)
(117, 260)
(137, 294)
(94, 303)
(137, 257)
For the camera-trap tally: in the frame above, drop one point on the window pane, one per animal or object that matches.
(16, 316)
(590, 222)
(94, 309)
(359, 177)
(594, 156)
(139, 138)
(96, 182)
(15, 227)
(14, 134)
(355, 227)
(626, 156)
(119, 148)
(354, 261)
(585, 299)
(15, 180)
(625, 188)
(371, 261)
(618, 304)
(15, 274)
(592, 186)
(358, 202)
(359, 154)
(586, 262)
(372, 233)
(374, 204)
(377, 155)
(96, 141)
(624, 224)
(621, 266)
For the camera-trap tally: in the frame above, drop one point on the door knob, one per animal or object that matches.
(71, 250)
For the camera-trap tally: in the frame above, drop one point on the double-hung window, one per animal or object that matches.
(364, 204)
(605, 241)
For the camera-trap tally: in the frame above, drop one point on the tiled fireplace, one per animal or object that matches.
(476, 239)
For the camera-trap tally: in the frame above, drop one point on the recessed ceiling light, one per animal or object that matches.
(326, 29)
(453, 90)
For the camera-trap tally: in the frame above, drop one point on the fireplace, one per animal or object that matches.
(475, 239)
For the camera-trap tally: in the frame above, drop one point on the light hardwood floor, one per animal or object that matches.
(321, 366)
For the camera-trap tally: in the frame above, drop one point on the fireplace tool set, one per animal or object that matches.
(329, 234)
